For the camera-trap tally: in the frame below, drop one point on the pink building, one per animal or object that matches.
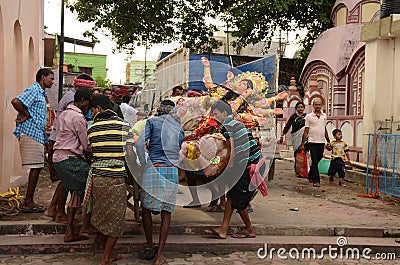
(21, 31)
(335, 69)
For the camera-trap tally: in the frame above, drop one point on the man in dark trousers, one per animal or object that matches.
(316, 132)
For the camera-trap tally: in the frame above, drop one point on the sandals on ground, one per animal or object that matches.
(216, 209)
(148, 253)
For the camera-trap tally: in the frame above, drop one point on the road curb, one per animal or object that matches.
(196, 244)
(40, 228)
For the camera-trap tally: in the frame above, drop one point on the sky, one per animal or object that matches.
(116, 62)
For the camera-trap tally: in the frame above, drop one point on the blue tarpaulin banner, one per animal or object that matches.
(221, 64)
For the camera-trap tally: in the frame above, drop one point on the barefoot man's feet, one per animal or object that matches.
(62, 219)
(88, 230)
(50, 213)
(115, 257)
(160, 261)
(74, 238)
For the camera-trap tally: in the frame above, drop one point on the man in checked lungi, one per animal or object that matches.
(30, 132)
(56, 209)
(112, 143)
(162, 137)
(72, 156)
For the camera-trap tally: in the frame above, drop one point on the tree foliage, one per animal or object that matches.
(102, 82)
(138, 22)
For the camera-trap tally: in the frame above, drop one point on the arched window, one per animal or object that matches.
(368, 11)
(18, 52)
(31, 56)
(356, 85)
(359, 134)
(323, 85)
(341, 16)
(330, 126)
(348, 133)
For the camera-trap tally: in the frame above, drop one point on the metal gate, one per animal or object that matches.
(383, 164)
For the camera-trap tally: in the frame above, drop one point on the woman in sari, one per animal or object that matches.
(297, 122)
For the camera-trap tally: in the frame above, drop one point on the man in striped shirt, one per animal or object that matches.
(112, 143)
(244, 152)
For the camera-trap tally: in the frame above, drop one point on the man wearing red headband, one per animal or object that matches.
(56, 208)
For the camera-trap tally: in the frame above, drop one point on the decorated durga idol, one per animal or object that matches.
(205, 147)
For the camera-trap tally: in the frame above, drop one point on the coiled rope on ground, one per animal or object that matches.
(10, 202)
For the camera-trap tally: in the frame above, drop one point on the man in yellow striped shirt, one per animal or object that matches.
(112, 143)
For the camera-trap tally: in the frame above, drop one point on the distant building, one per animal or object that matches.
(74, 63)
(135, 72)
(20, 58)
(88, 63)
(259, 49)
(145, 96)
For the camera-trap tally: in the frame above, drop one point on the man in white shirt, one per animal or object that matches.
(316, 132)
(130, 113)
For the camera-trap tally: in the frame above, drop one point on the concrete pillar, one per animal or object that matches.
(378, 92)
(396, 83)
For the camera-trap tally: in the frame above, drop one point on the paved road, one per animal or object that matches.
(328, 206)
(237, 258)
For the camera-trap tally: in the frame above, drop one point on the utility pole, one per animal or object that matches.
(61, 62)
(280, 44)
(145, 64)
(227, 36)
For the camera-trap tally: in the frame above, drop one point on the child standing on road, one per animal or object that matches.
(340, 151)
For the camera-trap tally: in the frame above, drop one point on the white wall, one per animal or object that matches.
(382, 85)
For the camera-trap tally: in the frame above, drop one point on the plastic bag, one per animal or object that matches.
(301, 165)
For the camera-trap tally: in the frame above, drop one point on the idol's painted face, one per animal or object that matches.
(241, 87)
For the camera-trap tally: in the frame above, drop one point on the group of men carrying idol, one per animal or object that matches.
(92, 163)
